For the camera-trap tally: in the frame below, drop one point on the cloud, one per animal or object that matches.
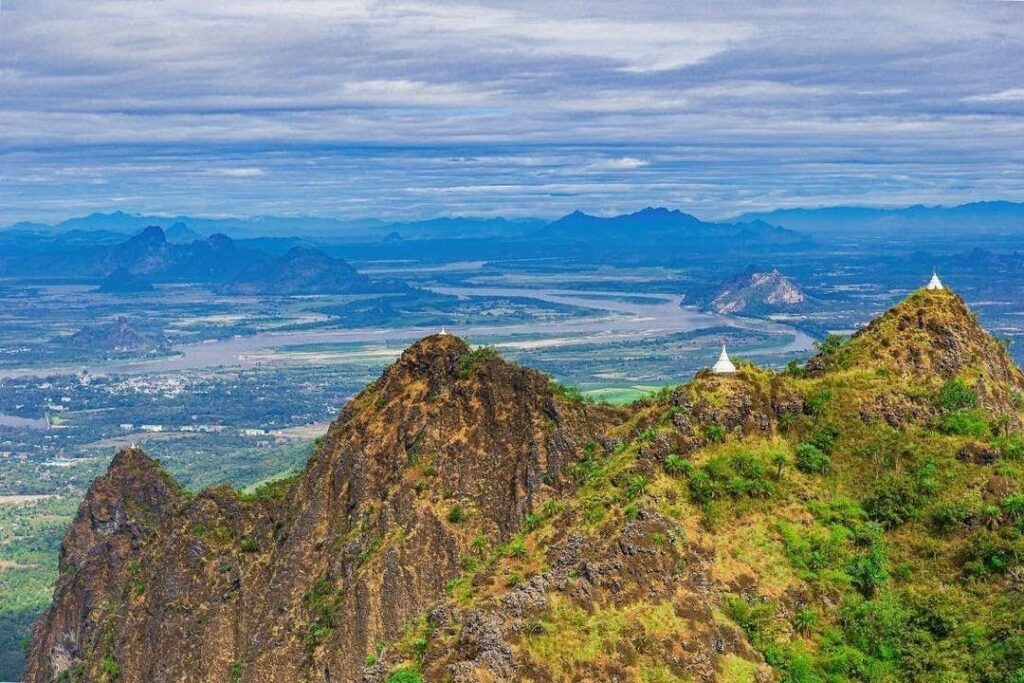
(1009, 95)
(241, 172)
(411, 108)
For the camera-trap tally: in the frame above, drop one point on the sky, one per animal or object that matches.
(407, 110)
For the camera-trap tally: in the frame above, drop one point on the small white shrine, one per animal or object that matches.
(935, 283)
(724, 366)
(443, 332)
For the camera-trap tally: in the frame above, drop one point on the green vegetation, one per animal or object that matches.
(457, 515)
(323, 603)
(469, 362)
(811, 459)
(405, 675)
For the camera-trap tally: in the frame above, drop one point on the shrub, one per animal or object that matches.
(794, 368)
(1011, 447)
(868, 571)
(986, 554)
(805, 620)
(956, 395)
(950, 516)
(570, 394)
(110, 668)
(635, 486)
(834, 350)
(816, 404)
(965, 423)
(532, 521)
(739, 475)
(896, 499)
(1013, 507)
(825, 437)
(405, 675)
(676, 464)
(515, 547)
(249, 545)
(457, 515)
(468, 362)
(811, 460)
(714, 433)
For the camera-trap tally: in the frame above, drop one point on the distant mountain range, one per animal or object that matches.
(188, 228)
(133, 263)
(992, 218)
(664, 227)
(654, 222)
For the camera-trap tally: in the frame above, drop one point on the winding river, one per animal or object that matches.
(623, 320)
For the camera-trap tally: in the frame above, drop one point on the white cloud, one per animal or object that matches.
(1010, 95)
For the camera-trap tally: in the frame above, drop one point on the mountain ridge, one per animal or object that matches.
(466, 519)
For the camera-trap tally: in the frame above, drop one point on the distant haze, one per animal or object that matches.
(405, 111)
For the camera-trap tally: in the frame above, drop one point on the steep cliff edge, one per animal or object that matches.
(466, 520)
(446, 446)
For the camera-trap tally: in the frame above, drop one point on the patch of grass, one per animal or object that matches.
(469, 362)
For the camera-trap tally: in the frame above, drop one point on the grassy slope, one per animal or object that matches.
(846, 548)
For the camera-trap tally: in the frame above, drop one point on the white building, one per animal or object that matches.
(934, 283)
(724, 366)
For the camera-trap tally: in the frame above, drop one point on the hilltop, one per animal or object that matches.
(469, 520)
(116, 336)
(757, 291)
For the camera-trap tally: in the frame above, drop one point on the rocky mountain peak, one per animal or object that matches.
(931, 336)
(757, 290)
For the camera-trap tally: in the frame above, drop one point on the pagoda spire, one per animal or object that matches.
(934, 283)
(724, 366)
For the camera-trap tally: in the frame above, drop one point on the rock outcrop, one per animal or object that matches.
(757, 292)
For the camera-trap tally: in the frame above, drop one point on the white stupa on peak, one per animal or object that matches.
(724, 365)
(443, 332)
(935, 283)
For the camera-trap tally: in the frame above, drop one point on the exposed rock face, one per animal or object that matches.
(755, 291)
(122, 511)
(304, 588)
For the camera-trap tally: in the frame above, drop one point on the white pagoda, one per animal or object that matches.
(443, 332)
(934, 283)
(724, 366)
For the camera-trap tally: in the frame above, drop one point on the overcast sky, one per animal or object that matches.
(416, 109)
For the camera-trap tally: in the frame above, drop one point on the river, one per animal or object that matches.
(624, 320)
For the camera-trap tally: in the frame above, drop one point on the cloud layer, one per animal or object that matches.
(409, 109)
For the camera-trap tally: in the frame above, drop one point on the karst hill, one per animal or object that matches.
(465, 519)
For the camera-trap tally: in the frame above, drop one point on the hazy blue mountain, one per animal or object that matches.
(180, 233)
(123, 281)
(660, 229)
(465, 227)
(129, 223)
(306, 271)
(975, 218)
(185, 229)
